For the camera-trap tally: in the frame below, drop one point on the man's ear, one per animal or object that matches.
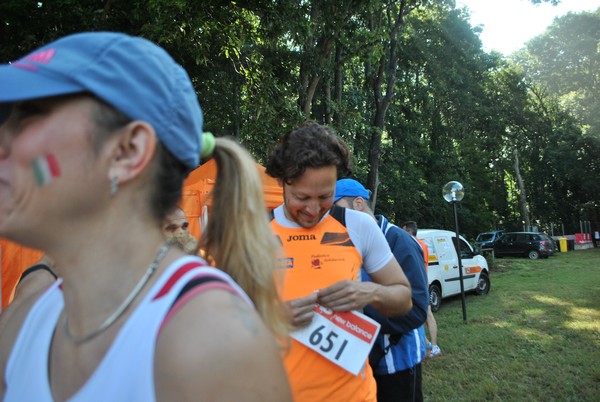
(359, 203)
(132, 151)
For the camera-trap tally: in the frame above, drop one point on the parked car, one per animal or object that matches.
(553, 244)
(487, 239)
(443, 274)
(533, 245)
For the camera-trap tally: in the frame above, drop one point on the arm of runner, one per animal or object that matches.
(409, 254)
(35, 281)
(11, 320)
(393, 296)
(390, 292)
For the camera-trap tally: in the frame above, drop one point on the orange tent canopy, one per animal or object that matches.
(196, 200)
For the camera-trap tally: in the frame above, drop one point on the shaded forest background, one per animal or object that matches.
(405, 83)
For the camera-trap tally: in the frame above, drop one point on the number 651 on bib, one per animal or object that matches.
(344, 338)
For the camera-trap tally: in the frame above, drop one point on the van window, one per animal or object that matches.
(465, 249)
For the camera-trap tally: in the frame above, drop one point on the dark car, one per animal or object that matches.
(487, 239)
(553, 245)
(523, 244)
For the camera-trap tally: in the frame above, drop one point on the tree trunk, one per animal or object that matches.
(327, 93)
(522, 194)
(338, 83)
(310, 93)
(318, 46)
(303, 88)
(237, 114)
(386, 72)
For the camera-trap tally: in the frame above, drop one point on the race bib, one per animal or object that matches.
(344, 338)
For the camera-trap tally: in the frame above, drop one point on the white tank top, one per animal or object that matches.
(126, 372)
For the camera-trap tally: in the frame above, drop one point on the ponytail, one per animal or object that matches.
(238, 237)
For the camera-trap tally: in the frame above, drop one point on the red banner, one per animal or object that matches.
(583, 238)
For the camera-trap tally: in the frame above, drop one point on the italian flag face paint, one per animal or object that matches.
(45, 169)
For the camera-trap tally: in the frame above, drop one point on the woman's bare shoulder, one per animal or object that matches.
(218, 346)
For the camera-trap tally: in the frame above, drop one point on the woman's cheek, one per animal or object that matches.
(45, 169)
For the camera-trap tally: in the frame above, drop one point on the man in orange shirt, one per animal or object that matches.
(324, 249)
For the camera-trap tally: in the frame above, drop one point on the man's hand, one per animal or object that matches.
(346, 295)
(390, 292)
(302, 310)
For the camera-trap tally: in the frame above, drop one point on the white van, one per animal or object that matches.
(443, 271)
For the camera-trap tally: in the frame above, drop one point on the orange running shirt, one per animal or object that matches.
(425, 253)
(316, 258)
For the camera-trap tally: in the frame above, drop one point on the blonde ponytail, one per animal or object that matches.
(238, 237)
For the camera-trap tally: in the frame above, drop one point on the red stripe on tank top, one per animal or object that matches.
(195, 291)
(175, 277)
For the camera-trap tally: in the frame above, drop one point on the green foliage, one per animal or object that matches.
(414, 95)
(564, 59)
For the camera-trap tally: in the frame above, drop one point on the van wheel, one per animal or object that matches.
(483, 285)
(533, 255)
(435, 297)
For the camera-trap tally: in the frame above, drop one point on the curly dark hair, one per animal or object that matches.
(309, 146)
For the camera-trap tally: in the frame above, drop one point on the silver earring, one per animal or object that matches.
(114, 185)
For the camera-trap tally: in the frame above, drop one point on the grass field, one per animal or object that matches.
(534, 337)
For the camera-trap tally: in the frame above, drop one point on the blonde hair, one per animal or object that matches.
(238, 236)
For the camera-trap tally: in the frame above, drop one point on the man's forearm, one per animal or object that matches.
(392, 300)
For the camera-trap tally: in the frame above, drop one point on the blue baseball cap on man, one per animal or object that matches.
(132, 74)
(350, 188)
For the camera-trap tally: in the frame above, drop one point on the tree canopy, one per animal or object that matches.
(405, 82)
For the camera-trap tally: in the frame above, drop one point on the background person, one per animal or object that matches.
(92, 124)
(400, 347)
(176, 231)
(324, 250)
(32, 282)
(176, 222)
(36, 278)
(432, 347)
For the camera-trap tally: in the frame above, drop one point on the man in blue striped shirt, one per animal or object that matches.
(400, 346)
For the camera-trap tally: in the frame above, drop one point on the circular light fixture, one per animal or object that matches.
(453, 191)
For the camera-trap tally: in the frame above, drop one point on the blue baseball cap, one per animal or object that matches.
(132, 74)
(350, 188)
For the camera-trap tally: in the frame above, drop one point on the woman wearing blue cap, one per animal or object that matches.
(98, 131)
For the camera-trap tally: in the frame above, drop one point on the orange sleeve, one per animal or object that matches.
(15, 259)
(425, 254)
